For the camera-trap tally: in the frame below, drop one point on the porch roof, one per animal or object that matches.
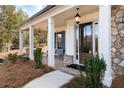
(48, 7)
(39, 20)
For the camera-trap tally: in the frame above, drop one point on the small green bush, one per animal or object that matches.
(20, 57)
(23, 58)
(38, 58)
(12, 57)
(95, 69)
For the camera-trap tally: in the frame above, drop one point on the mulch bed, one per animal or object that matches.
(74, 83)
(14, 75)
(118, 82)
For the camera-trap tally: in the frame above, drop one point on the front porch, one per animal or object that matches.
(60, 65)
(56, 19)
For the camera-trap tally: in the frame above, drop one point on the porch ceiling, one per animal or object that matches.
(70, 14)
(60, 19)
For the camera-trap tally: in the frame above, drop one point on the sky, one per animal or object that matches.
(31, 9)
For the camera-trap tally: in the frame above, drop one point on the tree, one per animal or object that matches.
(10, 18)
(21, 17)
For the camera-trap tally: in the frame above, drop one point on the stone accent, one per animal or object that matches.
(114, 49)
(68, 59)
(114, 31)
(116, 60)
(122, 50)
(122, 63)
(117, 24)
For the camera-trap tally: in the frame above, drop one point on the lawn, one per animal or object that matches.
(118, 82)
(15, 75)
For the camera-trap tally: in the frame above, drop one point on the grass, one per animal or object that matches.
(15, 75)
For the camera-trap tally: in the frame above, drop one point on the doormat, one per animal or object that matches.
(1, 61)
(77, 67)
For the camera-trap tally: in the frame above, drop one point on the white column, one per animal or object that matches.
(20, 43)
(105, 41)
(51, 50)
(31, 43)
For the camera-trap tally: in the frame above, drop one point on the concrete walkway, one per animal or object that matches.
(54, 79)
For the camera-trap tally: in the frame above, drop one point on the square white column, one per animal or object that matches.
(105, 40)
(51, 50)
(31, 43)
(20, 43)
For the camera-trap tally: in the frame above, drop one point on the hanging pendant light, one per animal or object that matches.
(39, 31)
(77, 17)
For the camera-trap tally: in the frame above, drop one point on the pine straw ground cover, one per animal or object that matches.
(14, 75)
(118, 82)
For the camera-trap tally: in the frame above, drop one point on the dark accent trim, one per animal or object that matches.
(59, 32)
(48, 7)
(89, 23)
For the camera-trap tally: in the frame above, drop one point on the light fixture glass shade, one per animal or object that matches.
(77, 19)
(39, 32)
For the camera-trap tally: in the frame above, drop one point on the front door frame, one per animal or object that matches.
(76, 41)
(77, 31)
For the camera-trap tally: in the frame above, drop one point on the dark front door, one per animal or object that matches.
(85, 39)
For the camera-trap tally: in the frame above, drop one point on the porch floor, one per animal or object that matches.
(60, 65)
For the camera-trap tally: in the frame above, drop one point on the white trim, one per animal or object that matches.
(93, 37)
(76, 37)
(78, 45)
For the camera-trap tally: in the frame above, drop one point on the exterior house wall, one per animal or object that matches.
(69, 37)
(90, 17)
(117, 24)
(60, 29)
(70, 28)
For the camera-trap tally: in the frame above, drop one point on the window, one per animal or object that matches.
(60, 40)
(87, 39)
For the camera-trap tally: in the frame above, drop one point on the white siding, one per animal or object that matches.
(69, 38)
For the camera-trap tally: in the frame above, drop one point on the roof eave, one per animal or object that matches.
(48, 7)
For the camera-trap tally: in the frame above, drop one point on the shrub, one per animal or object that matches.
(23, 58)
(12, 57)
(38, 58)
(95, 69)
